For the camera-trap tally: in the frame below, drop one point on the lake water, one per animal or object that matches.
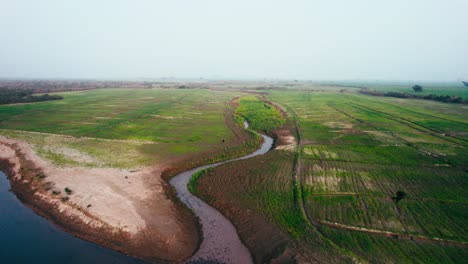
(26, 237)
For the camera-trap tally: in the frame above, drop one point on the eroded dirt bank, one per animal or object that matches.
(126, 210)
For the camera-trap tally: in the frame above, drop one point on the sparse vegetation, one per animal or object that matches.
(68, 190)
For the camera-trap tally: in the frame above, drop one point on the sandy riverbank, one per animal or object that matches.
(127, 210)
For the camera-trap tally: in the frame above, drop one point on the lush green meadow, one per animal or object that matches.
(122, 127)
(356, 153)
(262, 116)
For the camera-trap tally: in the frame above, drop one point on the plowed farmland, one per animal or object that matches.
(378, 180)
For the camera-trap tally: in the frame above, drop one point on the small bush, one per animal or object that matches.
(68, 191)
(400, 195)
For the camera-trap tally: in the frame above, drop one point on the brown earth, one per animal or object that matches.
(129, 211)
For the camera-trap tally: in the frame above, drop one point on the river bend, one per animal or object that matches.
(220, 242)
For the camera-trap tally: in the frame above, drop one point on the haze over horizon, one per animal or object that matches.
(335, 40)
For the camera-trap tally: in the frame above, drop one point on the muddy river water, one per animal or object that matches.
(221, 242)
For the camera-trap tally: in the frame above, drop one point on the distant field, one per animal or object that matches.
(357, 152)
(455, 89)
(451, 89)
(122, 127)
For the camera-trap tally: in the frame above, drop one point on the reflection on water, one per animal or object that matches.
(28, 238)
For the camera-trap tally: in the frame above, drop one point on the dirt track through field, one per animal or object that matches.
(221, 242)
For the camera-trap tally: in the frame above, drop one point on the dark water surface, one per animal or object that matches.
(26, 237)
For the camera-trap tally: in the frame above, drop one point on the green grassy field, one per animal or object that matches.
(357, 152)
(452, 89)
(122, 127)
(260, 115)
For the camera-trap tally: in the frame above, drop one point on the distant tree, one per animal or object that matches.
(441, 98)
(417, 88)
(400, 195)
(456, 99)
(465, 83)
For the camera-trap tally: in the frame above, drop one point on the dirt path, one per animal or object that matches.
(390, 233)
(221, 242)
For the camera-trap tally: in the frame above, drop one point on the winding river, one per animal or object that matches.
(221, 242)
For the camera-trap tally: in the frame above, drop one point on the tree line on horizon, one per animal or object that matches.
(434, 97)
(13, 96)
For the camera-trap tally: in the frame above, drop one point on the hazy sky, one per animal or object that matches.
(310, 39)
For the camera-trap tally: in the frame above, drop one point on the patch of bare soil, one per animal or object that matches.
(127, 210)
(285, 140)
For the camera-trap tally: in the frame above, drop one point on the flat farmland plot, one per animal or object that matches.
(122, 127)
(357, 152)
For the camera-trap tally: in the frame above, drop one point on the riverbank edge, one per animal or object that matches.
(25, 187)
(245, 135)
